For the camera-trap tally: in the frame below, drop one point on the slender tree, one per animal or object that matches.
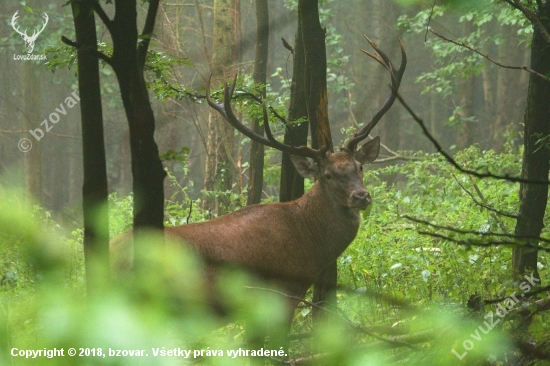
(466, 89)
(33, 158)
(220, 164)
(256, 180)
(94, 189)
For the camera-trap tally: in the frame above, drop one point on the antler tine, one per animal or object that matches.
(396, 77)
(301, 150)
(380, 56)
(267, 127)
(227, 112)
(211, 103)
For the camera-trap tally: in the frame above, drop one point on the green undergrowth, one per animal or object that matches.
(409, 285)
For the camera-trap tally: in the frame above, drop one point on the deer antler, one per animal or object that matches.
(396, 76)
(13, 22)
(226, 111)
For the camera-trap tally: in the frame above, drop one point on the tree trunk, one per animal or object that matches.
(316, 73)
(94, 189)
(147, 171)
(209, 202)
(220, 155)
(292, 183)
(33, 157)
(256, 180)
(465, 135)
(466, 90)
(536, 156)
(313, 37)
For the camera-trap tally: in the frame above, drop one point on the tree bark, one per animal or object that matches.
(209, 202)
(220, 155)
(316, 73)
(128, 61)
(292, 183)
(536, 156)
(94, 189)
(308, 98)
(33, 158)
(256, 180)
(313, 37)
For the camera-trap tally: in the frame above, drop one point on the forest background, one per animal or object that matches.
(436, 237)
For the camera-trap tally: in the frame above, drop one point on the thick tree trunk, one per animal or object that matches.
(308, 98)
(313, 37)
(147, 171)
(94, 189)
(316, 73)
(292, 183)
(256, 180)
(536, 156)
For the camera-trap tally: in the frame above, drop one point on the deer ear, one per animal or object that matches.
(369, 151)
(306, 167)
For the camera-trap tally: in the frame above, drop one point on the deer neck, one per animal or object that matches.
(333, 226)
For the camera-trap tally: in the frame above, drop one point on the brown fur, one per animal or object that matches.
(289, 242)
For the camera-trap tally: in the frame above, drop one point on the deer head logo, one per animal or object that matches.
(29, 40)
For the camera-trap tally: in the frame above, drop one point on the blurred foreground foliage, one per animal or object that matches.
(402, 297)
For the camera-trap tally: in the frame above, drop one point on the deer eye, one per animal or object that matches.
(328, 176)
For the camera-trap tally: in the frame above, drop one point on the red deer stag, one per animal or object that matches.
(291, 243)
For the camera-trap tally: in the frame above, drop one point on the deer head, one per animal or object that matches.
(288, 242)
(29, 40)
(338, 173)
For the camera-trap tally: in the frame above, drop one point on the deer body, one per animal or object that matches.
(288, 243)
(291, 241)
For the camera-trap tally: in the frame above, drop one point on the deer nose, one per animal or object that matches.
(360, 199)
